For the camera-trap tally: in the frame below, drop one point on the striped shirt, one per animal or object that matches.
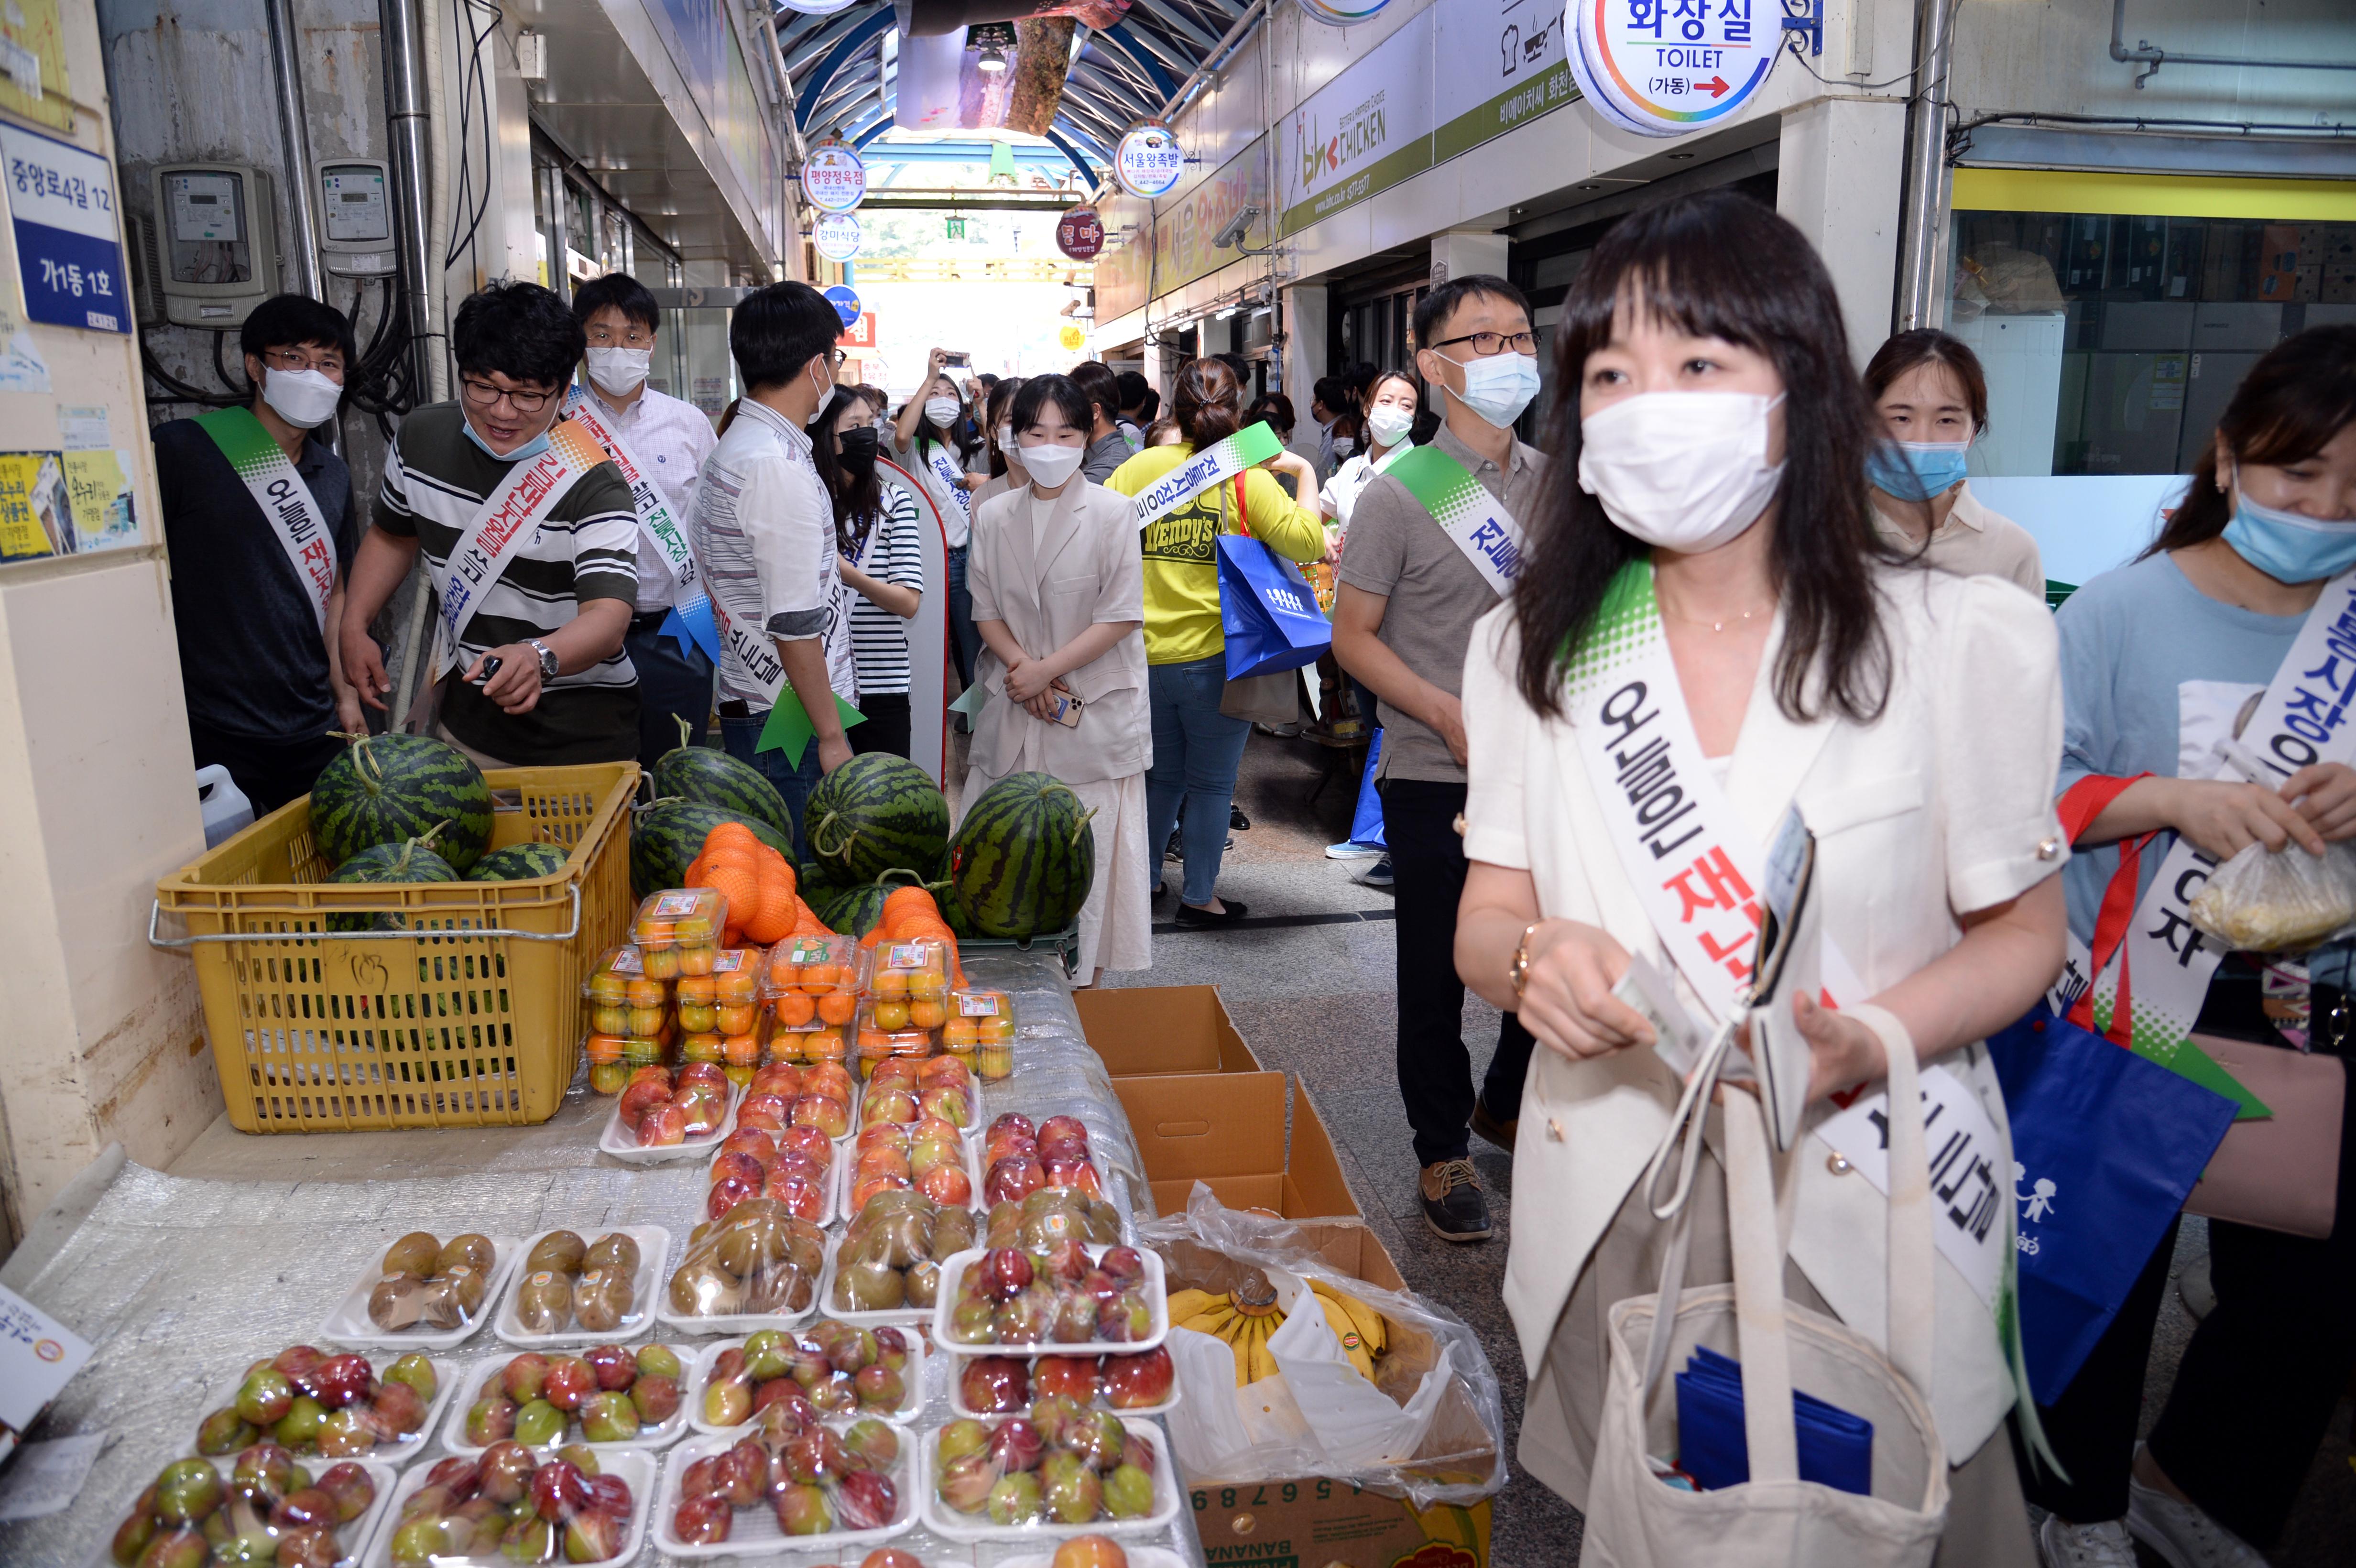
(584, 548)
(891, 553)
(764, 535)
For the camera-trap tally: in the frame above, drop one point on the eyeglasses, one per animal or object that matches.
(634, 336)
(1487, 343)
(326, 361)
(483, 395)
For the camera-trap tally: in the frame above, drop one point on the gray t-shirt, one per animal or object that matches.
(1397, 550)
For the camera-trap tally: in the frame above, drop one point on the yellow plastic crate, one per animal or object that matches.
(467, 1019)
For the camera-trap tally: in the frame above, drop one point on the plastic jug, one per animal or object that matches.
(227, 811)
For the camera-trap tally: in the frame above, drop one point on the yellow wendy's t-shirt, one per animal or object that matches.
(1182, 552)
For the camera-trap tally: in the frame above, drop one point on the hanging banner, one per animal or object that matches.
(818, 7)
(1148, 160)
(1660, 70)
(845, 302)
(948, 83)
(837, 235)
(834, 179)
(1079, 234)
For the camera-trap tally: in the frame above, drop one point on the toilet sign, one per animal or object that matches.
(1668, 68)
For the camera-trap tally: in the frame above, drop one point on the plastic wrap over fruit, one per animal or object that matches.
(758, 1258)
(1089, 1468)
(2278, 900)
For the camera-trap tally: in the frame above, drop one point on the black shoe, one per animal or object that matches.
(1158, 890)
(1490, 1129)
(1452, 1204)
(1237, 819)
(1189, 915)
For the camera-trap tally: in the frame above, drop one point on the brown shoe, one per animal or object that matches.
(1490, 1129)
(1452, 1204)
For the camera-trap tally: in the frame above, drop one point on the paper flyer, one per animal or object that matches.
(38, 1356)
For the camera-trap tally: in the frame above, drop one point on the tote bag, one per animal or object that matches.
(1272, 697)
(1774, 1519)
(2105, 1146)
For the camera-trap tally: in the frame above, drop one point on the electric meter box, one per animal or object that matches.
(355, 204)
(210, 250)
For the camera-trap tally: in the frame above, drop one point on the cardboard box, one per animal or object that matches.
(1228, 1130)
(1315, 1521)
(1154, 1031)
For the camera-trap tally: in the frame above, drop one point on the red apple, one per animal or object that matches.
(641, 1097)
(1075, 1377)
(1013, 1180)
(664, 1125)
(751, 1141)
(569, 1383)
(999, 1385)
(615, 1367)
(947, 1185)
(1011, 1121)
(1016, 1444)
(811, 1141)
(1132, 1382)
(733, 1162)
(727, 1192)
(1079, 1174)
(1124, 1263)
(762, 1113)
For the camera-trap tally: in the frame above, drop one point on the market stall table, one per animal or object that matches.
(181, 1278)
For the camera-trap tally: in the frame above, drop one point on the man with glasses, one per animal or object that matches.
(763, 531)
(1411, 588)
(658, 442)
(258, 518)
(530, 536)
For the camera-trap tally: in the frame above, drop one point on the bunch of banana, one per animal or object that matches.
(1243, 1320)
(1359, 1326)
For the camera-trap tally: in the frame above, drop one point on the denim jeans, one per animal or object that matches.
(965, 640)
(739, 736)
(674, 683)
(1196, 750)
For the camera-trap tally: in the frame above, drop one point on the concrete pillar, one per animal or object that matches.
(1841, 178)
(1305, 341)
(1460, 253)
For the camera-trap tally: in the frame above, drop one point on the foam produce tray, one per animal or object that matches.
(957, 1404)
(353, 1537)
(654, 1250)
(618, 1140)
(477, 1375)
(755, 1532)
(636, 1466)
(942, 1519)
(846, 1163)
(699, 1378)
(953, 1272)
(350, 1323)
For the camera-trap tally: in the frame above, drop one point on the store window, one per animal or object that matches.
(2112, 337)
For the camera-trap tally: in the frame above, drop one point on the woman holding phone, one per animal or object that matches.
(1059, 599)
(1706, 546)
(928, 438)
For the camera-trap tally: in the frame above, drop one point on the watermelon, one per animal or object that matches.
(667, 836)
(412, 861)
(817, 884)
(1022, 859)
(856, 911)
(387, 789)
(521, 863)
(715, 778)
(875, 812)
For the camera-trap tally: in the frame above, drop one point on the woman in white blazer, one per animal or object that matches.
(1914, 719)
(1058, 584)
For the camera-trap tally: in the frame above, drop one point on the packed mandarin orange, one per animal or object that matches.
(763, 906)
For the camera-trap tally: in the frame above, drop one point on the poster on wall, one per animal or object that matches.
(32, 63)
(62, 211)
(1660, 72)
(36, 509)
(834, 178)
(837, 235)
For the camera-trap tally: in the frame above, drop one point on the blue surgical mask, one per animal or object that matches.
(2289, 546)
(524, 453)
(1916, 470)
(1499, 386)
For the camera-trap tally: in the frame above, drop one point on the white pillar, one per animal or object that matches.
(1840, 178)
(1460, 253)
(1304, 342)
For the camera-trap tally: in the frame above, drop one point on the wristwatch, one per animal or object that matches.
(549, 662)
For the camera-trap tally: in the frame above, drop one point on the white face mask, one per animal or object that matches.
(620, 371)
(1388, 424)
(1051, 466)
(1498, 388)
(1006, 441)
(1685, 471)
(942, 411)
(303, 399)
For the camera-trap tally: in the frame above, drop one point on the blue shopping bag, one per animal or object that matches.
(1267, 611)
(2104, 1148)
(1366, 822)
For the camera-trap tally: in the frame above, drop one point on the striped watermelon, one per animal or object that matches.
(715, 778)
(667, 836)
(385, 789)
(818, 884)
(521, 863)
(412, 861)
(875, 812)
(856, 911)
(1022, 859)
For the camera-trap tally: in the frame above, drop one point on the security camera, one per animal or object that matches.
(1237, 226)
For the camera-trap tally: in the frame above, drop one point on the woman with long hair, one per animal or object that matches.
(883, 564)
(2195, 648)
(1930, 397)
(1059, 598)
(1392, 402)
(1197, 750)
(998, 433)
(930, 441)
(1703, 586)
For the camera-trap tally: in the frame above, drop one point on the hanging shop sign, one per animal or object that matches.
(61, 203)
(844, 301)
(1079, 234)
(1148, 160)
(1343, 13)
(836, 235)
(819, 8)
(1660, 70)
(1071, 339)
(834, 179)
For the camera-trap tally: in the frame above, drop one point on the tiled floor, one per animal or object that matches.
(1315, 1000)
